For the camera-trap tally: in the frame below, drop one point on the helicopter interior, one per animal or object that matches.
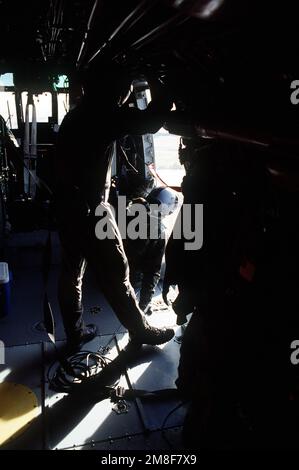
(231, 70)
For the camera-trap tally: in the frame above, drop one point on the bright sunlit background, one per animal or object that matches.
(166, 158)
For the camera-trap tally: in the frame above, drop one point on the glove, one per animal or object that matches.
(165, 292)
(145, 299)
(143, 305)
(147, 309)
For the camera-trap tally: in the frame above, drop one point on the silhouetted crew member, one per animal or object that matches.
(216, 283)
(145, 255)
(145, 259)
(84, 154)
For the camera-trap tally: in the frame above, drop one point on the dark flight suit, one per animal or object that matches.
(210, 282)
(145, 257)
(83, 161)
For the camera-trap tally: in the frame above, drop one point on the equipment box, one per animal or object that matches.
(4, 290)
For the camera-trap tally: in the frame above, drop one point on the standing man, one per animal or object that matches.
(145, 256)
(83, 169)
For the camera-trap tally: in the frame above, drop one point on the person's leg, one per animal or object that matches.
(109, 263)
(70, 280)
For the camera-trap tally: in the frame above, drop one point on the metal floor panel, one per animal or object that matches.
(23, 365)
(155, 441)
(74, 420)
(25, 251)
(27, 294)
(155, 368)
(96, 308)
(105, 319)
(69, 421)
(25, 311)
(26, 308)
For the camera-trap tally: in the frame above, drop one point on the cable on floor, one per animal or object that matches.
(163, 430)
(75, 368)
